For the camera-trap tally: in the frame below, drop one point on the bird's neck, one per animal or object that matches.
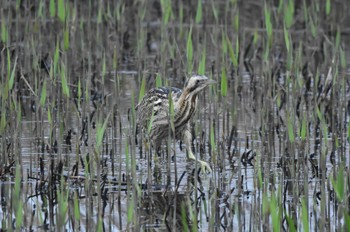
(186, 98)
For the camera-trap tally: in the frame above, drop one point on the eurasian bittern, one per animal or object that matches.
(153, 113)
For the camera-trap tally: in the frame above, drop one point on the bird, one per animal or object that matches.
(153, 113)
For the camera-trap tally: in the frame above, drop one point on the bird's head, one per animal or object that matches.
(196, 83)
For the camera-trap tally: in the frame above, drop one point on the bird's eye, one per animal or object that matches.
(197, 82)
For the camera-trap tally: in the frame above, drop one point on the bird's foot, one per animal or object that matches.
(205, 166)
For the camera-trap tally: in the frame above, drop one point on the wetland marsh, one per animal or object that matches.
(274, 128)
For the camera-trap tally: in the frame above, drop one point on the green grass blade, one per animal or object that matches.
(142, 88)
(199, 12)
(66, 39)
(158, 81)
(347, 221)
(328, 7)
(101, 132)
(305, 216)
(12, 77)
(43, 94)
(268, 22)
(61, 10)
(339, 184)
(201, 67)
(150, 123)
(52, 8)
(286, 38)
(274, 209)
(4, 33)
(184, 218)
(290, 130)
(289, 14)
(189, 51)
(223, 82)
(64, 83)
(76, 207)
(232, 53)
(303, 128)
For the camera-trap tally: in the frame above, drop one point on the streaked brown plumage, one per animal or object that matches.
(155, 105)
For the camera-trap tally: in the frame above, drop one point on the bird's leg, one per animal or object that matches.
(187, 137)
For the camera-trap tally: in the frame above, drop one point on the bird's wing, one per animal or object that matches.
(156, 102)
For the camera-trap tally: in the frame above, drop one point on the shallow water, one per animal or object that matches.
(264, 169)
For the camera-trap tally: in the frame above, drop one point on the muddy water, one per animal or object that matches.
(244, 135)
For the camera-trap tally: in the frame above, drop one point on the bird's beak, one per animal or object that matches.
(210, 82)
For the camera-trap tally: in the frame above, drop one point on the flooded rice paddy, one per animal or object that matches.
(274, 128)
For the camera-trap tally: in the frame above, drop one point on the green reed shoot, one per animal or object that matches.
(64, 83)
(76, 206)
(158, 80)
(100, 132)
(275, 213)
(304, 215)
(4, 32)
(328, 7)
(255, 38)
(181, 18)
(286, 38)
(232, 53)
(166, 9)
(62, 200)
(347, 221)
(99, 224)
(313, 27)
(150, 123)
(268, 23)
(43, 94)
(61, 10)
(280, 6)
(189, 51)
(215, 11)
(199, 12)
(223, 82)
(130, 212)
(236, 21)
(99, 14)
(52, 8)
(12, 76)
(342, 58)
(66, 38)
(41, 9)
(3, 122)
(49, 117)
(184, 217)
(303, 129)
(290, 222)
(171, 113)
(142, 88)
(201, 66)
(192, 217)
(289, 13)
(339, 184)
(17, 202)
(55, 61)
